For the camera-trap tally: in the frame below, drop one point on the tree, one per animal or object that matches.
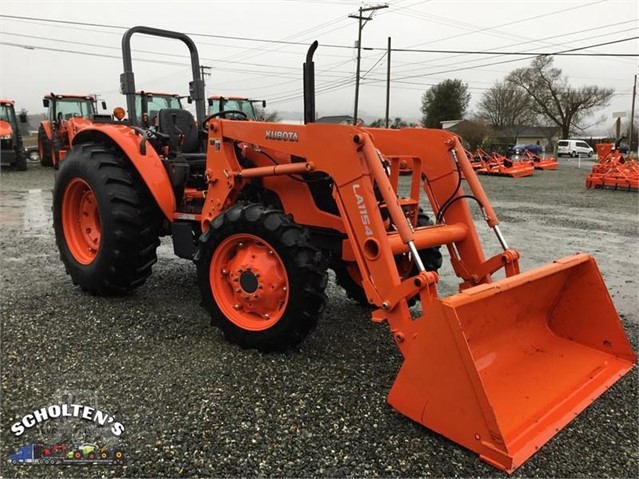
(554, 99)
(262, 114)
(507, 108)
(395, 124)
(473, 132)
(447, 100)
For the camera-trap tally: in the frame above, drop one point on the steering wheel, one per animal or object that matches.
(239, 115)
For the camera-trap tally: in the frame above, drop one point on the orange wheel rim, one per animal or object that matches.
(249, 282)
(81, 221)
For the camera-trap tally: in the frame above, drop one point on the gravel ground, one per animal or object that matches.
(194, 405)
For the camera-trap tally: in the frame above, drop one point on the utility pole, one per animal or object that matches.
(388, 67)
(205, 72)
(632, 114)
(360, 17)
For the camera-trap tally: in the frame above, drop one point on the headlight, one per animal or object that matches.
(6, 137)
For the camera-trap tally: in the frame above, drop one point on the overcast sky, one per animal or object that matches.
(39, 53)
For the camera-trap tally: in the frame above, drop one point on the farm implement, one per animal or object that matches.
(499, 165)
(615, 172)
(539, 162)
(264, 209)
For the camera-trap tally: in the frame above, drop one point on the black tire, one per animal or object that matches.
(129, 218)
(304, 267)
(45, 149)
(431, 257)
(573, 154)
(21, 161)
(590, 153)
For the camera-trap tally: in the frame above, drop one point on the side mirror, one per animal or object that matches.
(104, 105)
(263, 103)
(45, 102)
(189, 99)
(22, 117)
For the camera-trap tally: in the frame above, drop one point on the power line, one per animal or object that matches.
(590, 37)
(328, 45)
(526, 19)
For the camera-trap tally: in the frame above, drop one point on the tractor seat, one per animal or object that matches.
(175, 122)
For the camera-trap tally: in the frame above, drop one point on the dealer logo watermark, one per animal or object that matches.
(72, 430)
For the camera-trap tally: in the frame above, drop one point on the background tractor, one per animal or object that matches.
(243, 105)
(265, 209)
(66, 115)
(12, 151)
(148, 104)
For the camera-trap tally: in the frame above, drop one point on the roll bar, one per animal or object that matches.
(127, 79)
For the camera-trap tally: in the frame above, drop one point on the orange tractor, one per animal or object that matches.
(264, 209)
(12, 151)
(67, 115)
(148, 104)
(244, 106)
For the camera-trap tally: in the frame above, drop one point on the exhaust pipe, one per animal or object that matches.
(309, 85)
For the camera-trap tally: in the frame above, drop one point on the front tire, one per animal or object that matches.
(45, 150)
(106, 222)
(261, 279)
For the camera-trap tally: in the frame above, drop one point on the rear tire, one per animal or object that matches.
(573, 154)
(45, 150)
(261, 279)
(106, 222)
(348, 277)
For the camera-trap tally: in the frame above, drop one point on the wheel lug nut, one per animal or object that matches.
(284, 288)
(236, 306)
(239, 245)
(225, 272)
(238, 290)
(271, 252)
(266, 316)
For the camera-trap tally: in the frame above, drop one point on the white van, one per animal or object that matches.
(574, 148)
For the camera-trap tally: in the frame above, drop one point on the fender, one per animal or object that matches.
(148, 166)
(46, 125)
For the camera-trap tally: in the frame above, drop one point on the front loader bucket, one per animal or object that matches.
(500, 368)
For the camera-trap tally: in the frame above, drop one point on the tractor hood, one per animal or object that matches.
(5, 129)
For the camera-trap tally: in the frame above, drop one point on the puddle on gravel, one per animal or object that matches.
(27, 211)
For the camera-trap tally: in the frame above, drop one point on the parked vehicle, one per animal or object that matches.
(232, 104)
(520, 149)
(12, 151)
(574, 148)
(150, 103)
(67, 115)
